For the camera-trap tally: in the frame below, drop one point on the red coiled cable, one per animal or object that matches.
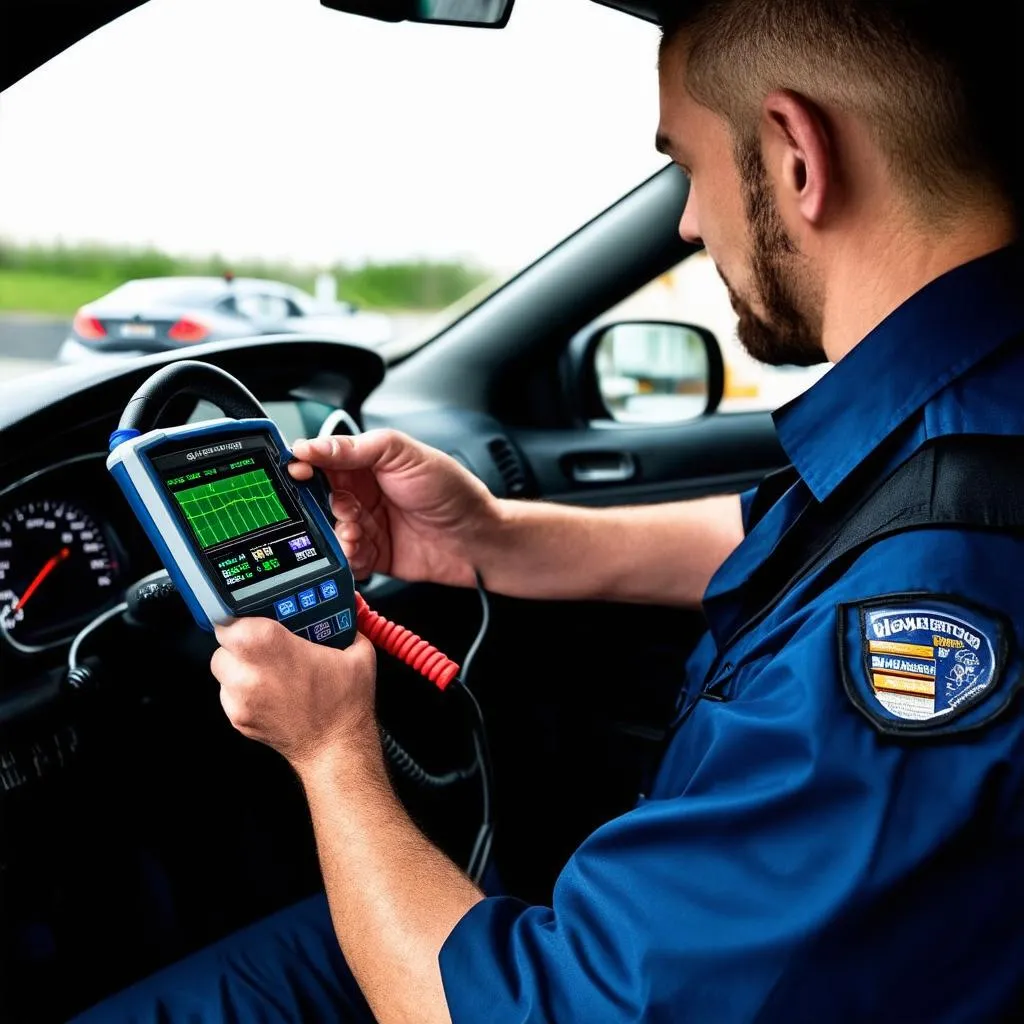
(405, 645)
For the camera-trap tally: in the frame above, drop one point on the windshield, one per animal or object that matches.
(396, 173)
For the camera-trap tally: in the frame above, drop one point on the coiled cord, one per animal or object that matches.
(443, 672)
(407, 765)
(405, 645)
(413, 651)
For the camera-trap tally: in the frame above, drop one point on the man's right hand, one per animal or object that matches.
(403, 508)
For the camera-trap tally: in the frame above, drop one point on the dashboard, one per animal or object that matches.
(69, 544)
(127, 761)
(90, 690)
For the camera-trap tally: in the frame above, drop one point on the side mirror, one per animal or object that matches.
(647, 371)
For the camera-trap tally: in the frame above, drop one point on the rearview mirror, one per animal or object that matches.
(649, 371)
(468, 13)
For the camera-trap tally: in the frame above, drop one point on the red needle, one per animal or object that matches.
(40, 576)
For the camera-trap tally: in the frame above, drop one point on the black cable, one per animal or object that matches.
(485, 622)
(480, 854)
(408, 766)
(405, 763)
(399, 757)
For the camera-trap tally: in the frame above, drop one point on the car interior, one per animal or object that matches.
(137, 826)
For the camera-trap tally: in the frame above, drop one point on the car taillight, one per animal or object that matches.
(88, 327)
(188, 331)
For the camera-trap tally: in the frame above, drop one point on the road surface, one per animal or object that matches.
(24, 336)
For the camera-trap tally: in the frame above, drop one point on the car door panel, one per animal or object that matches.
(614, 464)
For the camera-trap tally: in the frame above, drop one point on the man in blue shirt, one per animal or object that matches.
(838, 836)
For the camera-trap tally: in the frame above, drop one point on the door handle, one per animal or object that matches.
(602, 467)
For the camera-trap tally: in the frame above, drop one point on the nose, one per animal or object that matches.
(689, 225)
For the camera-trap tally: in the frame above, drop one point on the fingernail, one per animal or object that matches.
(322, 446)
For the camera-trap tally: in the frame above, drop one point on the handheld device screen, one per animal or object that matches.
(242, 518)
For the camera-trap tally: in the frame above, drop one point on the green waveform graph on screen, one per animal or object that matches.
(224, 509)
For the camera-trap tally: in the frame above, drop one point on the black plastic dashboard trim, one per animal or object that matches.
(30, 478)
(347, 371)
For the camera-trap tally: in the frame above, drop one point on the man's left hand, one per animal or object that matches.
(300, 698)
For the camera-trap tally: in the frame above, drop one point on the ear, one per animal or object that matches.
(798, 154)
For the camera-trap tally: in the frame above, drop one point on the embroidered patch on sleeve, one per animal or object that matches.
(921, 663)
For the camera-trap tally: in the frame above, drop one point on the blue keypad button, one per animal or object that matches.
(307, 598)
(328, 590)
(344, 619)
(285, 607)
(324, 630)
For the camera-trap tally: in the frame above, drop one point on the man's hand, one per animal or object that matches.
(304, 700)
(403, 508)
(394, 897)
(408, 510)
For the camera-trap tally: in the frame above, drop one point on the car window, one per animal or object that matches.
(423, 168)
(261, 306)
(693, 293)
(299, 304)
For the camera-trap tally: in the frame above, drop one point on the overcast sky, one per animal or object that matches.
(278, 128)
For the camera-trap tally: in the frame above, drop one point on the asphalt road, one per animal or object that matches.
(28, 343)
(31, 337)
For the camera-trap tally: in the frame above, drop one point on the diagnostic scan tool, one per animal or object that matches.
(237, 535)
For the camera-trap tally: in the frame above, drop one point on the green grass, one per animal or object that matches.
(25, 291)
(58, 279)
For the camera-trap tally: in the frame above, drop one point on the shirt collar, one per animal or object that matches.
(937, 335)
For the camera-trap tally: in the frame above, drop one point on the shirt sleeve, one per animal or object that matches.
(680, 910)
(794, 827)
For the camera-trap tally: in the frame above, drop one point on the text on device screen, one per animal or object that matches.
(242, 518)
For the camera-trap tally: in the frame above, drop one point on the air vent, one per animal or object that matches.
(510, 466)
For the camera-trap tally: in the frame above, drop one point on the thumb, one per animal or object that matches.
(345, 453)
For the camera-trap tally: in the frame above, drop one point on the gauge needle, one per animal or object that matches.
(40, 576)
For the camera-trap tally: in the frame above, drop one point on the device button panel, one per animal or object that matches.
(326, 629)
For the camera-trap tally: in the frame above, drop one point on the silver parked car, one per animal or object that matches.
(156, 314)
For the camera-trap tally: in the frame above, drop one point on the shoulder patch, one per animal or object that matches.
(925, 664)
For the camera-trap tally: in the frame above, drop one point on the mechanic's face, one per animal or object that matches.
(731, 209)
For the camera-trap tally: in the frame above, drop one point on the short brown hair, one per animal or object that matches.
(928, 84)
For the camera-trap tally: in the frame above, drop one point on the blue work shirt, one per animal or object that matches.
(799, 857)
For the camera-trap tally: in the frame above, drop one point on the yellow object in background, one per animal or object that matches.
(738, 385)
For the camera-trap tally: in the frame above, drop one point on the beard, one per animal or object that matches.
(789, 330)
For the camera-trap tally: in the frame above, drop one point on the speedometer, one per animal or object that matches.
(57, 570)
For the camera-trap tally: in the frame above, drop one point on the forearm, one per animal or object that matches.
(394, 897)
(652, 554)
